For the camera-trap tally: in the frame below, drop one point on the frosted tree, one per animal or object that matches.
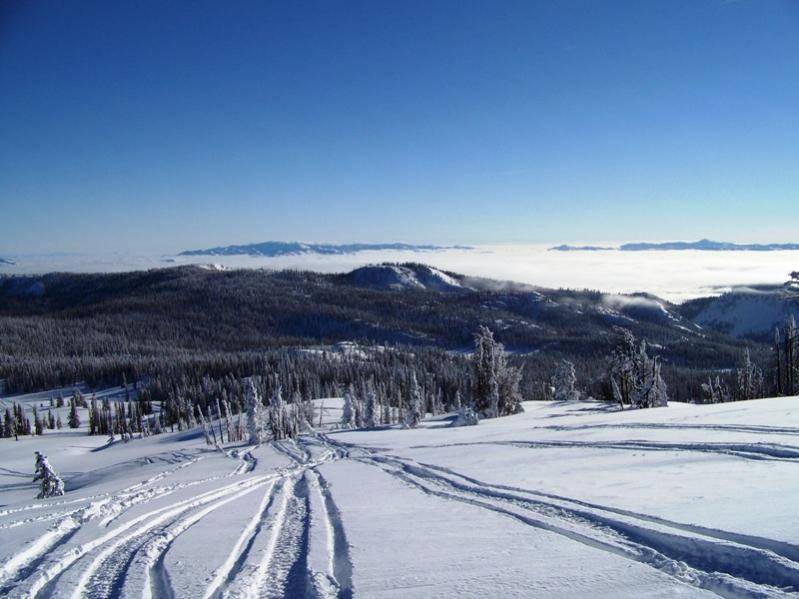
(635, 378)
(206, 429)
(456, 402)
(347, 412)
(563, 382)
(413, 413)
(651, 392)
(749, 378)
(370, 411)
(73, 420)
(466, 417)
(51, 484)
(791, 355)
(716, 391)
(281, 423)
(256, 417)
(495, 384)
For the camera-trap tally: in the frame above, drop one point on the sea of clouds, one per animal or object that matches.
(672, 275)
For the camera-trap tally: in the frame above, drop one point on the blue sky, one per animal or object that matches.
(173, 125)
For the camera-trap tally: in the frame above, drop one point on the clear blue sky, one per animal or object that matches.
(173, 125)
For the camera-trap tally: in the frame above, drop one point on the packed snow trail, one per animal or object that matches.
(130, 554)
(141, 530)
(728, 564)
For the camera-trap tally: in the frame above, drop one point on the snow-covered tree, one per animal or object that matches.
(716, 391)
(495, 384)
(635, 378)
(466, 417)
(370, 412)
(563, 382)
(51, 484)
(256, 417)
(73, 420)
(413, 413)
(347, 411)
(749, 378)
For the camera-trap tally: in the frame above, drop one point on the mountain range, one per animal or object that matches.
(296, 248)
(703, 245)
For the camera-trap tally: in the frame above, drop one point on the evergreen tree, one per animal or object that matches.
(73, 420)
(413, 415)
(495, 384)
(256, 417)
(749, 378)
(635, 378)
(370, 408)
(563, 382)
(347, 411)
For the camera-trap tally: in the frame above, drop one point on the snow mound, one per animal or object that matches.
(404, 276)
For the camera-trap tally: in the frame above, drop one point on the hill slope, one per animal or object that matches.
(565, 500)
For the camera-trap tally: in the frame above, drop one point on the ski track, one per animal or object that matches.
(339, 572)
(748, 451)
(108, 508)
(737, 428)
(233, 563)
(718, 563)
(128, 558)
(272, 554)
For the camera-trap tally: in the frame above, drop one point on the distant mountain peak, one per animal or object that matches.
(580, 248)
(703, 245)
(296, 248)
(404, 276)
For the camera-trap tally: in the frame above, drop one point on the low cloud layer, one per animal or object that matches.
(675, 276)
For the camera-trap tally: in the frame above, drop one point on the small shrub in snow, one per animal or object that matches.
(51, 483)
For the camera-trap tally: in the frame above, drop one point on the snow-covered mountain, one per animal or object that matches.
(6, 261)
(580, 248)
(405, 276)
(746, 312)
(709, 245)
(295, 248)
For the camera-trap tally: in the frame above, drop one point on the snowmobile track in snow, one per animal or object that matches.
(722, 563)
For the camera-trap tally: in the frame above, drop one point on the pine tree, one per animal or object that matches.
(347, 411)
(635, 378)
(370, 409)
(51, 484)
(37, 423)
(749, 378)
(495, 384)
(73, 420)
(413, 415)
(563, 382)
(256, 417)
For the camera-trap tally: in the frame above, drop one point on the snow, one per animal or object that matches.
(567, 499)
(750, 312)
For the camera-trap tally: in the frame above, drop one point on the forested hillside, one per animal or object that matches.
(60, 328)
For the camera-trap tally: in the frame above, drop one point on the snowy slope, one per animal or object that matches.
(750, 312)
(403, 276)
(566, 500)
